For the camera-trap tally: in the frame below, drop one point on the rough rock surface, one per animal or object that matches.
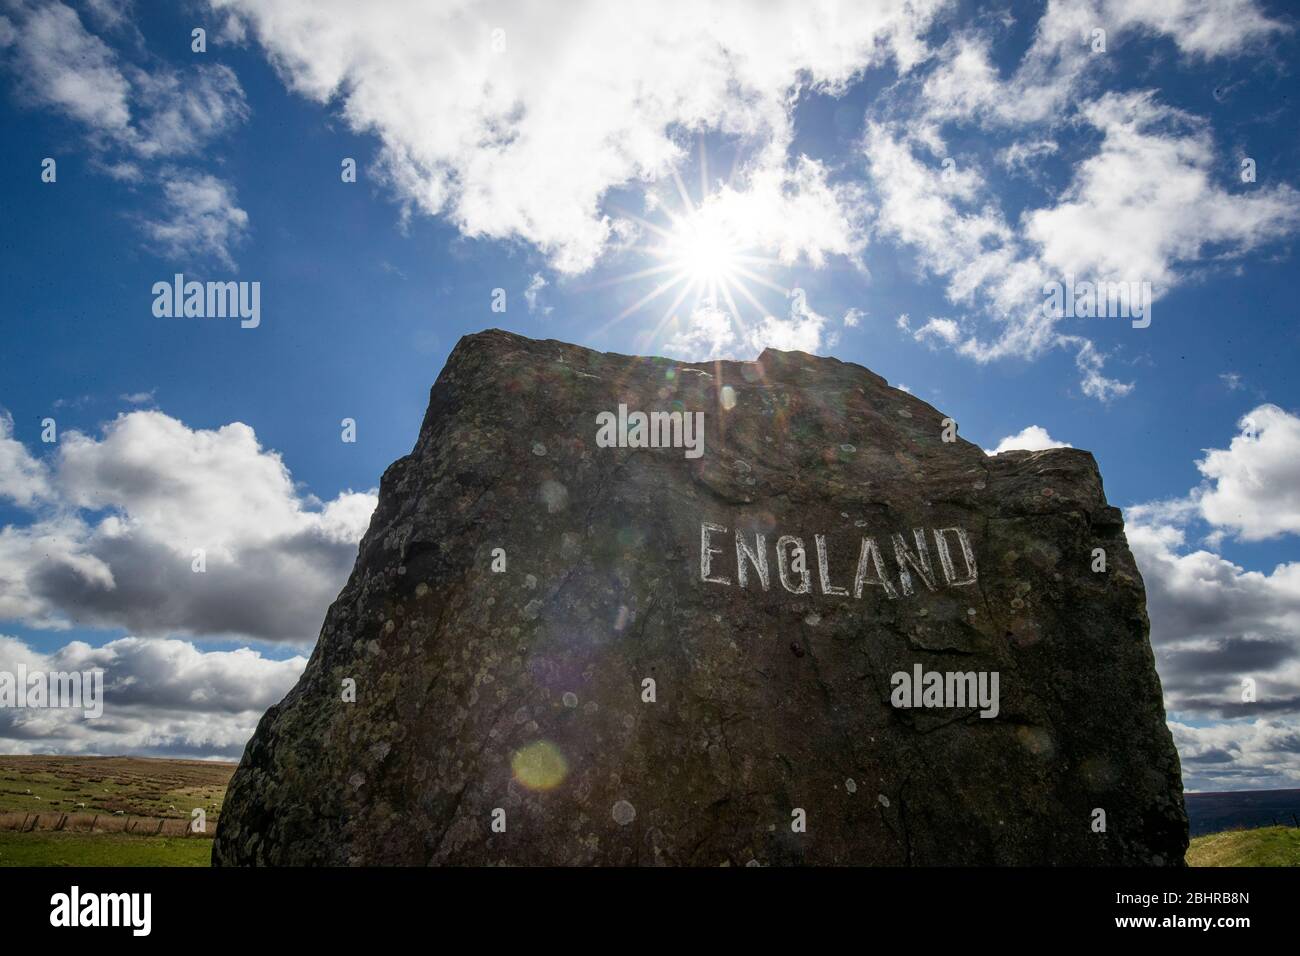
(518, 697)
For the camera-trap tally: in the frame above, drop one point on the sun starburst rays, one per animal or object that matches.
(701, 258)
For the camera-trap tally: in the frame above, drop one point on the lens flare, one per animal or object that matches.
(539, 765)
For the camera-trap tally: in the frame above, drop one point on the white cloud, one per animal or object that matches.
(133, 115)
(1215, 623)
(1020, 156)
(1142, 208)
(1147, 205)
(122, 170)
(1089, 362)
(110, 14)
(58, 63)
(153, 112)
(801, 332)
(708, 333)
(711, 332)
(853, 318)
(535, 286)
(1251, 488)
(1261, 754)
(23, 479)
(1254, 489)
(790, 212)
(1030, 438)
(943, 330)
(1146, 201)
(200, 218)
(1060, 63)
(186, 111)
(525, 140)
(1204, 28)
(918, 205)
(115, 545)
(162, 698)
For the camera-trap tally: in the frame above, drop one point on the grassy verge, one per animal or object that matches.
(101, 849)
(1267, 846)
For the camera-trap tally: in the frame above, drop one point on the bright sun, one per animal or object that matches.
(702, 258)
(703, 251)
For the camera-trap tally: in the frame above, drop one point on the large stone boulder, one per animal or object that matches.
(832, 632)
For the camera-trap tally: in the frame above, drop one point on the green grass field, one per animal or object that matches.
(136, 786)
(44, 848)
(1267, 846)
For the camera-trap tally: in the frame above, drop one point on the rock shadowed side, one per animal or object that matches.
(522, 697)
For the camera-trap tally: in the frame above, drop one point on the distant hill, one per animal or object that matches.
(1242, 809)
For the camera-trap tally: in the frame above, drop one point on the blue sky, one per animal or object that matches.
(547, 157)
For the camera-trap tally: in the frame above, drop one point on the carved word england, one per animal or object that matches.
(911, 561)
